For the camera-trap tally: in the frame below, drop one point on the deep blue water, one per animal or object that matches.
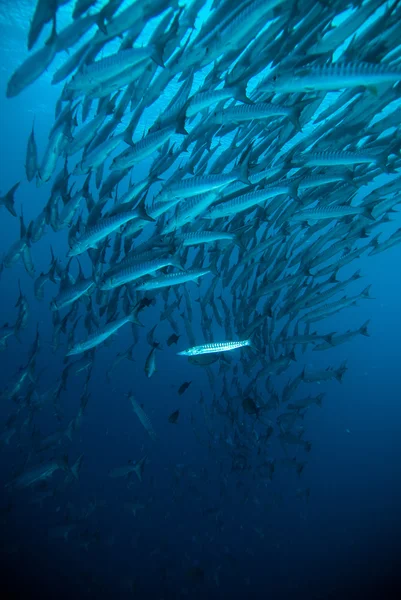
(260, 539)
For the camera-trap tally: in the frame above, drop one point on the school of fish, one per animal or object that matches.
(212, 174)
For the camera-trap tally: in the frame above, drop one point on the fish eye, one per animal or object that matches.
(274, 78)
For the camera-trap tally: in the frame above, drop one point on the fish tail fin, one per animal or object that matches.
(242, 173)
(176, 262)
(157, 53)
(238, 241)
(128, 133)
(366, 293)
(294, 116)
(8, 200)
(239, 93)
(339, 374)
(319, 400)
(76, 467)
(382, 163)
(374, 242)
(133, 315)
(329, 337)
(180, 122)
(139, 467)
(293, 191)
(363, 330)
(142, 213)
(368, 213)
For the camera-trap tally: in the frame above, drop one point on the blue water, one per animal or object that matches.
(204, 531)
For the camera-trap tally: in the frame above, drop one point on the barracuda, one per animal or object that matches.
(96, 233)
(330, 212)
(333, 77)
(102, 334)
(103, 69)
(214, 347)
(240, 203)
(249, 112)
(173, 279)
(134, 271)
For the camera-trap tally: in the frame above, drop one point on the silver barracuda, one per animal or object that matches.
(214, 347)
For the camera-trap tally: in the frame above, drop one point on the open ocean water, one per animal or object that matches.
(140, 473)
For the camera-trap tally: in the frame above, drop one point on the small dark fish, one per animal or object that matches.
(173, 339)
(173, 418)
(184, 387)
(250, 407)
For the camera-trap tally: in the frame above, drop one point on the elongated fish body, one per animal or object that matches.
(71, 64)
(193, 186)
(72, 293)
(214, 347)
(98, 155)
(334, 77)
(117, 82)
(84, 135)
(34, 475)
(134, 271)
(329, 159)
(173, 279)
(229, 33)
(240, 203)
(103, 69)
(249, 112)
(194, 238)
(32, 68)
(143, 417)
(96, 233)
(313, 181)
(101, 335)
(142, 149)
(189, 210)
(328, 212)
(203, 100)
(158, 208)
(55, 148)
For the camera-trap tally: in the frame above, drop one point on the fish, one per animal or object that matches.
(183, 387)
(98, 231)
(173, 339)
(132, 467)
(214, 347)
(143, 418)
(249, 147)
(102, 334)
(335, 76)
(131, 272)
(34, 66)
(173, 279)
(173, 418)
(37, 474)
